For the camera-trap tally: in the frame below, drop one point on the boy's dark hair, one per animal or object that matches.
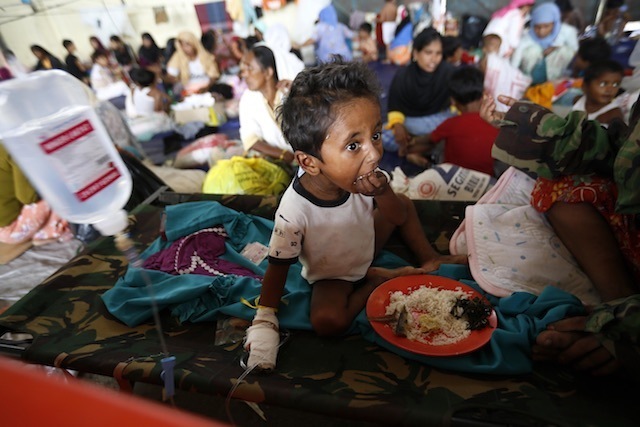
(265, 58)
(97, 54)
(116, 39)
(66, 43)
(144, 78)
(466, 85)
(366, 27)
(594, 49)
(310, 109)
(425, 37)
(597, 69)
(449, 46)
(208, 40)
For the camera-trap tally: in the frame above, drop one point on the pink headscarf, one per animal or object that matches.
(515, 4)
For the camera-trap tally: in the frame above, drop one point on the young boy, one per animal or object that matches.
(145, 98)
(337, 215)
(591, 50)
(467, 138)
(601, 85)
(75, 67)
(366, 44)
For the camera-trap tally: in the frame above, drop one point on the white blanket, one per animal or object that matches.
(513, 248)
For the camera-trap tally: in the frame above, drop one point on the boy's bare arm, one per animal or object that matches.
(273, 284)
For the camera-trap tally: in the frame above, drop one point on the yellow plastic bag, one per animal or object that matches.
(240, 175)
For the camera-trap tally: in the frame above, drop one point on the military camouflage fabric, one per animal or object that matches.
(536, 140)
(347, 378)
(617, 323)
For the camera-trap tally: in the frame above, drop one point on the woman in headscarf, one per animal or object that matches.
(419, 95)
(191, 65)
(330, 36)
(508, 23)
(546, 50)
(261, 68)
(149, 53)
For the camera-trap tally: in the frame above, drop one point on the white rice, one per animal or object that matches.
(430, 320)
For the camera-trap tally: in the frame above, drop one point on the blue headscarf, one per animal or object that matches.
(329, 16)
(544, 14)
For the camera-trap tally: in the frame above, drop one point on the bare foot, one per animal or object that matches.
(435, 263)
(384, 274)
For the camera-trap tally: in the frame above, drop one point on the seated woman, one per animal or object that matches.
(259, 130)
(330, 36)
(589, 195)
(23, 216)
(546, 50)
(419, 97)
(191, 65)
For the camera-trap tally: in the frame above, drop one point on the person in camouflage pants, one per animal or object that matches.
(588, 181)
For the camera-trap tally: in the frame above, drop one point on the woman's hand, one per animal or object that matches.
(401, 135)
(567, 343)
(488, 108)
(548, 50)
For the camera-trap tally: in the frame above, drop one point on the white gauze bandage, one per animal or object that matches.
(263, 339)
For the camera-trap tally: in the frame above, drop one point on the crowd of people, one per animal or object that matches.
(446, 103)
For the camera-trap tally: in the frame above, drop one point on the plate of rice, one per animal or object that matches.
(433, 323)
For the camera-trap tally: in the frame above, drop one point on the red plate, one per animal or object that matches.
(379, 300)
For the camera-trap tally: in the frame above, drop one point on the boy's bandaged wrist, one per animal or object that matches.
(266, 315)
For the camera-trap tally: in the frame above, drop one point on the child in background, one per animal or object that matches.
(145, 98)
(338, 214)
(589, 51)
(601, 85)
(452, 50)
(366, 44)
(467, 138)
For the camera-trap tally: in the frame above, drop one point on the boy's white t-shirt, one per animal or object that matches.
(333, 240)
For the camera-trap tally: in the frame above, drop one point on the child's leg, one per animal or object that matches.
(413, 236)
(336, 303)
(590, 240)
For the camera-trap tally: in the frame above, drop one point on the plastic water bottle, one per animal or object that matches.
(53, 133)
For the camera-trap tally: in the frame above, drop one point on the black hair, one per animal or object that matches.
(250, 41)
(208, 40)
(265, 58)
(426, 37)
(150, 38)
(170, 48)
(594, 49)
(116, 39)
(449, 46)
(142, 77)
(309, 110)
(40, 49)
(366, 27)
(613, 4)
(597, 69)
(97, 54)
(466, 84)
(564, 5)
(66, 43)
